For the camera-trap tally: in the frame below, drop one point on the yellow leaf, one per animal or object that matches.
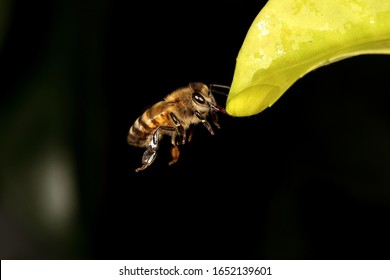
(290, 38)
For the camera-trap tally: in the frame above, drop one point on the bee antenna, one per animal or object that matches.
(224, 93)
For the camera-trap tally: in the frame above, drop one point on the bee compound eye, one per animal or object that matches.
(198, 97)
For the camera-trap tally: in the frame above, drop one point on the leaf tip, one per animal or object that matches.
(252, 100)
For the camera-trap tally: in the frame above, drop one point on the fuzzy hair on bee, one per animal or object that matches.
(174, 116)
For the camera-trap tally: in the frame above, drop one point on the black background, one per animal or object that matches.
(308, 178)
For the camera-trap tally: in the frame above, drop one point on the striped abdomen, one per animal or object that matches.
(142, 130)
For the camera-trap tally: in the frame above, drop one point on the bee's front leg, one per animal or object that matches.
(190, 132)
(214, 118)
(205, 123)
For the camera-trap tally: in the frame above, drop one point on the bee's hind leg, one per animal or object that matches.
(151, 151)
(148, 157)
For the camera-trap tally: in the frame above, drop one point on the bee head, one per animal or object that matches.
(203, 98)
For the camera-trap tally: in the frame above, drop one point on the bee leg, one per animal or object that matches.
(175, 152)
(205, 123)
(214, 118)
(180, 129)
(151, 151)
(147, 159)
(190, 131)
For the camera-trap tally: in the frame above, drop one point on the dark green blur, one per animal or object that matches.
(52, 118)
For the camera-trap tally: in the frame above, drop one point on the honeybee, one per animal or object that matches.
(175, 116)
